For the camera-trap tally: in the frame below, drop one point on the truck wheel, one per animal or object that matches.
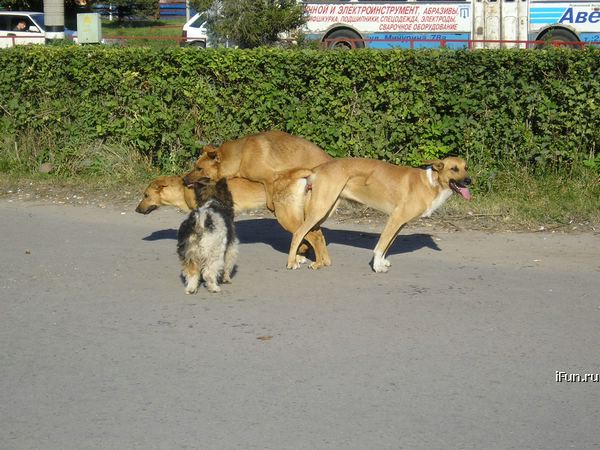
(558, 36)
(344, 39)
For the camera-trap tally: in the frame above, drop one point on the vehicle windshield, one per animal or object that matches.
(39, 20)
(199, 21)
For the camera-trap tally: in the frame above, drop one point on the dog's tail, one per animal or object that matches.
(291, 181)
(291, 189)
(323, 197)
(293, 174)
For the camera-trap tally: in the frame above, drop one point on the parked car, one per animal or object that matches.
(195, 33)
(25, 27)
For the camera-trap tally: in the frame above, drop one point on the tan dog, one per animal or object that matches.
(270, 158)
(170, 191)
(247, 195)
(261, 157)
(404, 193)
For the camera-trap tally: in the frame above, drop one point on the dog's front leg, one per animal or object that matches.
(380, 264)
(270, 204)
(389, 233)
(191, 275)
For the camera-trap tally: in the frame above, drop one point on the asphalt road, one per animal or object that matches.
(457, 346)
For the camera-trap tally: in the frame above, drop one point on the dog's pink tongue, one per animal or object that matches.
(465, 193)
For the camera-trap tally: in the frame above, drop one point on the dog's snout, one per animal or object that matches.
(467, 181)
(146, 210)
(187, 181)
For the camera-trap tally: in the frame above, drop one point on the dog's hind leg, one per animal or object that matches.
(322, 248)
(191, 275)
(317, 241)
(323, 201)
(210, 274)
(299, 234)
(290, 190)
(231, 255)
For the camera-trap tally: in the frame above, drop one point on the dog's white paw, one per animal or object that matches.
(301, 259)
(293, 266)
(213, 288)
(191, 290)
(380, 264)
(380, 269)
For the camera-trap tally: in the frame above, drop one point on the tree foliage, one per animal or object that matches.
(22, 5)
(251, 23)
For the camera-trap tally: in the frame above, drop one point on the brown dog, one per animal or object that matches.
(170, 191)
(270, 158)
(247, 195)
(167, 191)
(260, 157)
(404, 193)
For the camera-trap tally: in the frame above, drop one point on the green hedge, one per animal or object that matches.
(494, 107)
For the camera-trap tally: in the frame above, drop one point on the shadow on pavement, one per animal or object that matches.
(268, 231)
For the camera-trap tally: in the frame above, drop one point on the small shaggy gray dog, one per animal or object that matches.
(206, 241)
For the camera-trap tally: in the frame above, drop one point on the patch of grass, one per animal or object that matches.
(518, 199)
(159, 33)
(113, 192)
(97, 160)
(513, 198)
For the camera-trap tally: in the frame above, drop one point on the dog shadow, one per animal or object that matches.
(268, 231)
(159, 235)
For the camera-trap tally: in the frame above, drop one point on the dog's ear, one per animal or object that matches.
(208, 148)
(223, 191)
(222, 183)
(436, 165)
(221, 187)
(160, 185)
(212, 152)
(199, 187)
